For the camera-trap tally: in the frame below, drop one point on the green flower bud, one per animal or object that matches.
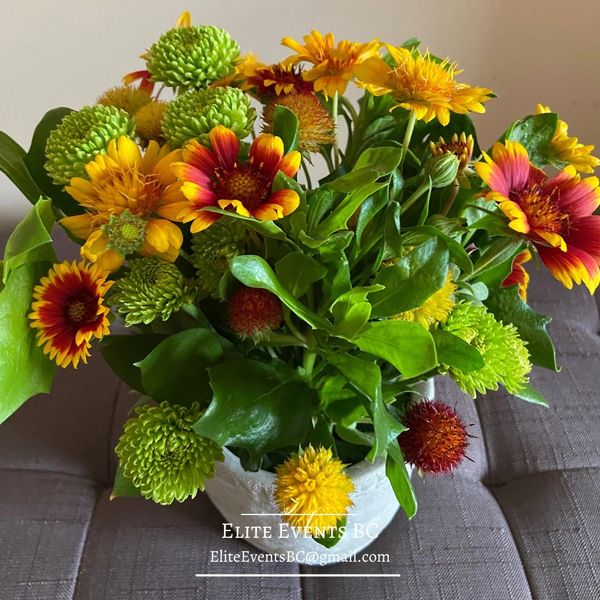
(81, 136)
(163, 456)
(505, 357)
(442, 169)
(152, 289)
(192, 57)
(212, 249)
(193, 114)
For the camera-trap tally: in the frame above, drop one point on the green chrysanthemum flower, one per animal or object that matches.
(212, 249)
(163, 456)
(152, 289)
(81, 136)
(126, 232)
(193, 114)
(504, 353)
(192, 57)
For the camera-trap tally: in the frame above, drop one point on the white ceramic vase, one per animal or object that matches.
(245, 500)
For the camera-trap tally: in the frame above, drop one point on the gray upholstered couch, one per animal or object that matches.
(520, 521)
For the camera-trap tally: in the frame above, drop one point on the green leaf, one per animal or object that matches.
(508, 307)
(256, 406)
(31, 240)
(535, 133)
(123, 487)
(297, 272)
(176, 370)
(412, 280)
(407, 346)
(371, 165)
(285, 125)
(363, 375)
(12, 164)
(347, 207)
(320, 201)
(455, 352)
(122, 352)
(500, 250)
(351, 311)
(255, 272)
(36, 159)
(530, 394)
(329, 540)
(458, 254)
(24, 369)
(397, 472)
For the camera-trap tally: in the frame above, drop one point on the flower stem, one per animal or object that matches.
(451, 198)
(307, 175)
(410, 126)
(415, 196)
(334, 117)
(308, 362)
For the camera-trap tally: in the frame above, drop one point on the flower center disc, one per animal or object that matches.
(81, 310)
(542, 211)
(243, 184)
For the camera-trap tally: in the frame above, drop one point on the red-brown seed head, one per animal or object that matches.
(253, 312)
(436, 439)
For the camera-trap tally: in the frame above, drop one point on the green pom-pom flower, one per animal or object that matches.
(163, 456)
(192, 57)
(212, 249)
(504, 353)
(153, 289)
(81, 136)
(193, 114)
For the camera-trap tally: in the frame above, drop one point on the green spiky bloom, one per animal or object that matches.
(212, 249)
(193, 114)
(126, 232)
(153, 289)
(192, 57)
(504, 353)
(128, 98)
(81, 136)
(163, 456)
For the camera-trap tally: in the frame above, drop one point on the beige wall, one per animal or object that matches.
(65, 52)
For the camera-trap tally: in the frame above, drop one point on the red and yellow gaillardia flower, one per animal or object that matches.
(272, 81)
(568, 149)
(125, 198)
(334, 64)
(518, 275)
(421, 84)
(216, 178)
(554, 214)
(69, 310)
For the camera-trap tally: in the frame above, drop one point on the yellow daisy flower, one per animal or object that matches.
(312, 490)
(569, 149)
(333, 64)
(422, 84)
(125, 198)
(435, 309)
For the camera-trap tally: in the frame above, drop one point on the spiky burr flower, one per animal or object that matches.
(163, 456)
(153, 289)
(315, 127)
(126, 97)
(193, 114)
(212, 249)
(192, 57)
(505, 357)
(81, 136)
(312, 490)
(254, 312)
(436, 439)
(148, 121)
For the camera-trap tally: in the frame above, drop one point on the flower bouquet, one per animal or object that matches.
(276, 322)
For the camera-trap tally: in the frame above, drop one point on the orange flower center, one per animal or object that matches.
(81, 309)
(542, 210)
(245, 184)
